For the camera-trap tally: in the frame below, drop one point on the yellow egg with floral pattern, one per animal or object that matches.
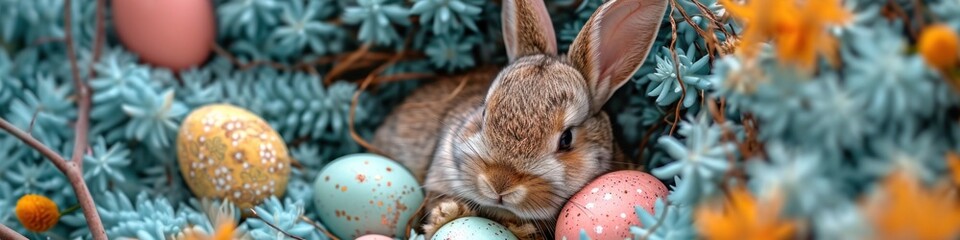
(227, 152)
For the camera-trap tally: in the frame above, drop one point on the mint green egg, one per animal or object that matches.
(361, 194)
(474, 228)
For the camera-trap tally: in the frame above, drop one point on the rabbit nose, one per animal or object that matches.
(499, 190)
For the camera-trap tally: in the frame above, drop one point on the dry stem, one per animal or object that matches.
(270, 224)
(7, 233)
(74, 169)
(340, 68)
(676, 67)
(74, 176)
(356, 98)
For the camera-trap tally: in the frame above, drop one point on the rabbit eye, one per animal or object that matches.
(565, 140)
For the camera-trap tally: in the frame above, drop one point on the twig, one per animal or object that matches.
(361, 58)
(710, 39)
(321, 228)
(402, 77)
(713, 19)
(74, 176)
(450, 96)
(45, 40)
(243, 66)
(676, 67)
(726, 136)
(75, 173)
(7, 233)
(97, 39)
(33, 120)
(342, 67)
(353, 107)
(82, 126)
(752, 142)
(363, 86)
(254, 211)
(646, 139)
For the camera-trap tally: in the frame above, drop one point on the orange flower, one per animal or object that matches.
(953, 161)
(905, 209)
(744, 218)
(798, 29)
(224, 231)
(37, 213)
(940, 46)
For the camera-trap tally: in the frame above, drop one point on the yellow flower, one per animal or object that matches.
(37, 213)
(798, 29)
(940, 46)
(742, 217)
(905, 209)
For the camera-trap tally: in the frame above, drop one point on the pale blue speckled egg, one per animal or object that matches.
(473, 228)
(361, 194)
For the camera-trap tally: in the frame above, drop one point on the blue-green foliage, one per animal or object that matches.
(677, 224)
(246, 19)
(827, 136)
(301, 29)
(843, 220)
(701, 160)
(443, 16)
(376, 19)
(692, 72)
(8, 84)
(154, 118)
(45, 112)
(119, 81)
(8, 201)
(105, 165)
(283, 215)
(891, 83)
(149, 217)
(451, 52)
(807, 180)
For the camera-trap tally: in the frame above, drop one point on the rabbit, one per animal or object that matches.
(516, 142)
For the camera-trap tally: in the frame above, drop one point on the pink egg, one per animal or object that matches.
(605, 206)
(175, 34)
(374, 237)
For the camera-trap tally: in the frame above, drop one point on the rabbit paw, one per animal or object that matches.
(444, 212)
(523, 231)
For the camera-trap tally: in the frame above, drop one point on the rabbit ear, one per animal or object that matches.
(614, 43)
(527, 28)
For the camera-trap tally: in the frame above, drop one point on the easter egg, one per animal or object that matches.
(473, 228)
(374, 237)
(364, 193)
(226, 152)
(175, 34)
(604, 208)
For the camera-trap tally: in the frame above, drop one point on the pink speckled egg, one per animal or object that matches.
(605, 206)
(175, 34)
(374, 237)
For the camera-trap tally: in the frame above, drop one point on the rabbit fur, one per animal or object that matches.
(516, 142)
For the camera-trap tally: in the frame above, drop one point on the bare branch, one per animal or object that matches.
(73, 173)
(74, 169)
(254, 211)
(7, 233)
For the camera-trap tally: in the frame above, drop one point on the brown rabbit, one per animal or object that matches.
(514, 145)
